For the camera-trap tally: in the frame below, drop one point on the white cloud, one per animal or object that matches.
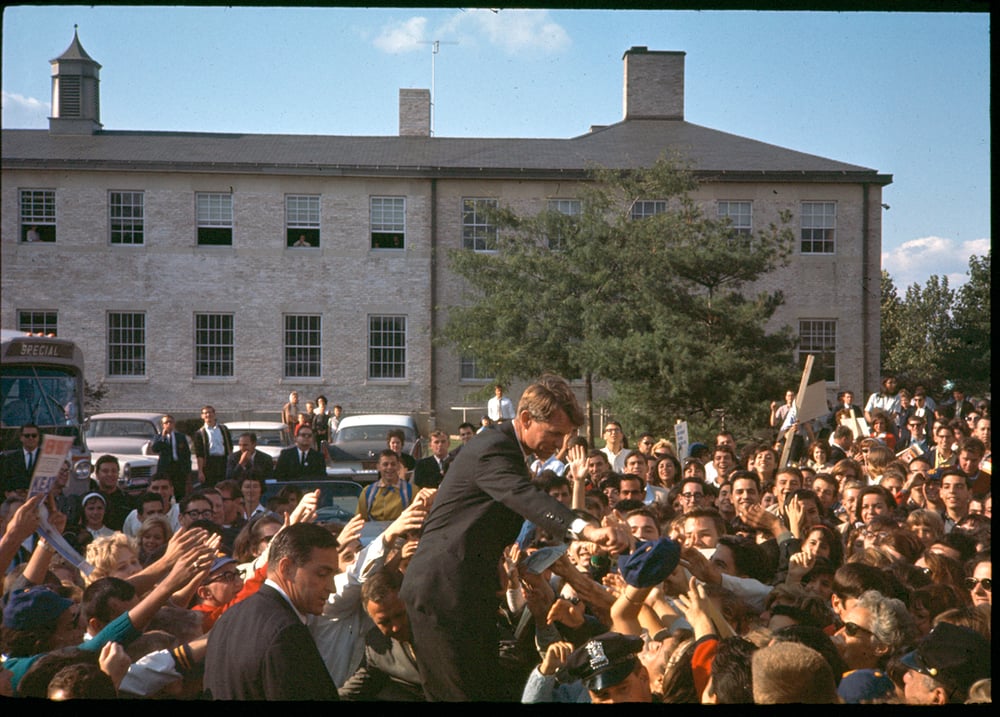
(405, 36)
(914, 261)
(22, 112)
(513, 31)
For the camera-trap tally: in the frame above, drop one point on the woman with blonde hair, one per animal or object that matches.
(114, 556)
(153, 534)
(928, 525)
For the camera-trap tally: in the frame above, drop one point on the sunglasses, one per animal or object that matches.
(29, 435)
(853, 629)
(987, 583)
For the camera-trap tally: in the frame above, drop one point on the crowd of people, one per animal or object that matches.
(841, 560)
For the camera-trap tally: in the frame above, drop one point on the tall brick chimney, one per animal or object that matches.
(654, 84)
(414, 113)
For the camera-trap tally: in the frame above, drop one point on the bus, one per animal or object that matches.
(41, 382)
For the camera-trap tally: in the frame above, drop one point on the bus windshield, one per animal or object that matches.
(45, 396)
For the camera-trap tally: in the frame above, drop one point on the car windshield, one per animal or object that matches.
(269, 438)
(371, 433)
(121, 429)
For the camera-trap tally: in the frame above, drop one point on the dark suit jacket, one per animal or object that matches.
(450, 586)
(262, 466)
(289, 468)
(260, 650)
(427, 473)
(388, 673)
(836, 454)
(14, 471)
(200, 441)
(163, 448)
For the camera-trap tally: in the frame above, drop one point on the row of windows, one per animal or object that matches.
(387, 220)
(215, 346)
(302, 345)
(213, 218)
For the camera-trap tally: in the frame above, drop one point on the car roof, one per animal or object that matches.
(255, 425)
(133, 415)
(388, 419)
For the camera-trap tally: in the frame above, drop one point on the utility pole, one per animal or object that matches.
(435, 49)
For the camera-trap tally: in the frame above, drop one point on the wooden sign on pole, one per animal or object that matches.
(799, 398)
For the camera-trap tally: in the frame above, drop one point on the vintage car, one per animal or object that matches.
(355, 447)
(127, 437)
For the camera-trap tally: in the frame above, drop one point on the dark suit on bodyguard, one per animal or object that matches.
(179, 468)
(291, 467)
(450, 587)
(261, 650)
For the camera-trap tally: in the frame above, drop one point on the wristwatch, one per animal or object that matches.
(577, 527)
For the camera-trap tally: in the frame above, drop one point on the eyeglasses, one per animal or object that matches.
(692, 496)
(853, 629)
(987, 583)
(198, 514)
(29, 435)
(611, 430)
(230, 576)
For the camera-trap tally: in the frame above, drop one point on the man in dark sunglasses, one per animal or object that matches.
(17, 465)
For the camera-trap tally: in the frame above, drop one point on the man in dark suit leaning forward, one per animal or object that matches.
(261, 649)
(450, 586)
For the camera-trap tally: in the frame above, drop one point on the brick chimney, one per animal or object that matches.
(654, 84)
(414, 113)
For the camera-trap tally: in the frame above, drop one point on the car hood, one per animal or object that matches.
(117, 445)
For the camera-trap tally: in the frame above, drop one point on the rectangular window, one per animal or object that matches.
(37, 322)
(819, 224)
(126, 343)
(564, 229)
(478, 233)
(38, 215)
(215, 219)
(302, 346)
(470, 371)
(126, 213)
(388, 222)
(213, 345)
(643, 208)
(740, 216)
(302, 220)
(386, 347)
(819, 338)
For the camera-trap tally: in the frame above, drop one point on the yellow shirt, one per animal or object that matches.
(384, 502)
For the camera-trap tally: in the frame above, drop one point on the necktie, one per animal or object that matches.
(31, 462)
(173, 444)
(302, 457)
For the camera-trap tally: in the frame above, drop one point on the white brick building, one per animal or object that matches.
(169, 256)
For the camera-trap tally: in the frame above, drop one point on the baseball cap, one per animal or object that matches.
(33, 607)
(860, 686)
(650, 563)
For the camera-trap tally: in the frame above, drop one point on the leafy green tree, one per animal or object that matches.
(651, 305)
(921, 335)
(968, 357)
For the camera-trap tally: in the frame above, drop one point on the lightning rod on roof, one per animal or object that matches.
(435, 49)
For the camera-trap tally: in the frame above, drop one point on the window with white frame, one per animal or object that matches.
(740, 216)
(213, 345)
(126, 213)
(819, 225)
(303, 357)
(388, 222)
(302, 220)
(37, 322)
(386, 347)
(643, 208)
(126, 343)
(214, 212)
(478, 233)
(469, 370)
(819, 338)
(38, 215)
(570, 209)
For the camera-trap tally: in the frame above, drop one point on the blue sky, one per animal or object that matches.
(905, 93)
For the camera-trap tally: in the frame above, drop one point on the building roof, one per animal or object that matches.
(75, 51)
(626, 144)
